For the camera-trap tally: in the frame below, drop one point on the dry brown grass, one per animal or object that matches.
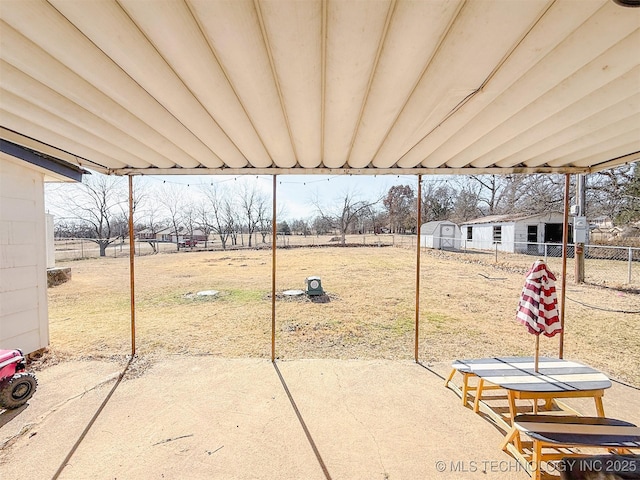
(467, 308)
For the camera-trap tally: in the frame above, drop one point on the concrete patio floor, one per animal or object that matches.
(206, 417)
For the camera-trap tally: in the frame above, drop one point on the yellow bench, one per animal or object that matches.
(555, 431)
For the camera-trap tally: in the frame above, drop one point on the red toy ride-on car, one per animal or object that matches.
(16, 385)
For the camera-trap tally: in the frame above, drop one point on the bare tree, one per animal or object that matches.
(154, 222)
(378, 220)
(533, 194)
(490, 191)
(95, 203)
(171, 198)
(323, 225)
(221, 216)
(253, 204)
(264, 219)
(120, 225)
(399, 203)
(438, 201)
(344, 216)
(204, 220)
(614, 193)
(630, 210)
(71, 228)
(189, 220)
(466, 204)
(301, 226)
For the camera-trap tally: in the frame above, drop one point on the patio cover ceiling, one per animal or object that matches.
(325, 86)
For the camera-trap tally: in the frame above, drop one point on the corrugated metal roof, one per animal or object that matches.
(509, 218)
(430, 228)
(323, 86)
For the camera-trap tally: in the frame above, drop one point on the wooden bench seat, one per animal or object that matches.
(556, 431)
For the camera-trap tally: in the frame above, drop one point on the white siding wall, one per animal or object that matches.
(483, 237)
(514, 234)
(508, 232)
(51, 244)
(427, 241)
(23, 276)
(522, 232)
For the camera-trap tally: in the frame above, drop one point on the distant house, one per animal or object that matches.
(166, 235)
(440, 235)
(198, 235)
(24, 321)
(169, 235)
(514, 233)
(601, 222)
(146, 234)
(601, 234)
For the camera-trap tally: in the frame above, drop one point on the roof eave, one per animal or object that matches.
(352, 171)
(59, 168)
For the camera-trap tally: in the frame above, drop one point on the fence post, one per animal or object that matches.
(82, 247)
(545, 253)
(630, 259)
(496, 244)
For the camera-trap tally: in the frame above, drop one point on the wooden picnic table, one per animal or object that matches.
(568, 432)
(556, 378)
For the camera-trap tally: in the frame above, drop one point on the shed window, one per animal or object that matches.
(497, 234)
(469, 233)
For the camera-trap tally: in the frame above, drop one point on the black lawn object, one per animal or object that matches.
(16, 385)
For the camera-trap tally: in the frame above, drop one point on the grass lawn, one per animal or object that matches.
(467, 308)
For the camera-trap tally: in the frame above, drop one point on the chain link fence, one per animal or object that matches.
(612, 266)
(80, 248)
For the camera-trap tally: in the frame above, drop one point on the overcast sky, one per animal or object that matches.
(296, 193)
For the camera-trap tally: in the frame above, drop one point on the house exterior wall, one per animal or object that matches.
(23, 257)
(521, 236)
(514, 234)
(483, 236)
(51, 244)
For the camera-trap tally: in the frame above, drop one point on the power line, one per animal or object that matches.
(604, 309)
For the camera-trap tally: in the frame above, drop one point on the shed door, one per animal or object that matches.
(447, 233)
(532, 238)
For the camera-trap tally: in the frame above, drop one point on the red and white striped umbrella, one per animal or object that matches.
(538, 307)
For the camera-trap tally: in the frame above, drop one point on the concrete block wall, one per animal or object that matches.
(23, 259)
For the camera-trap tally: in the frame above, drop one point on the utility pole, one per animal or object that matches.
(580, 228)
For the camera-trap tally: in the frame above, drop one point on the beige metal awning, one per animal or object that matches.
(323, 86)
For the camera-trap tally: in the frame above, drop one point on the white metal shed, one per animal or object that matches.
(442, 235)
(513, 233)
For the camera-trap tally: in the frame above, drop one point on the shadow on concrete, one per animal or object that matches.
(65, 462)
(7, 415)
(302, 423)
(430, 370)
